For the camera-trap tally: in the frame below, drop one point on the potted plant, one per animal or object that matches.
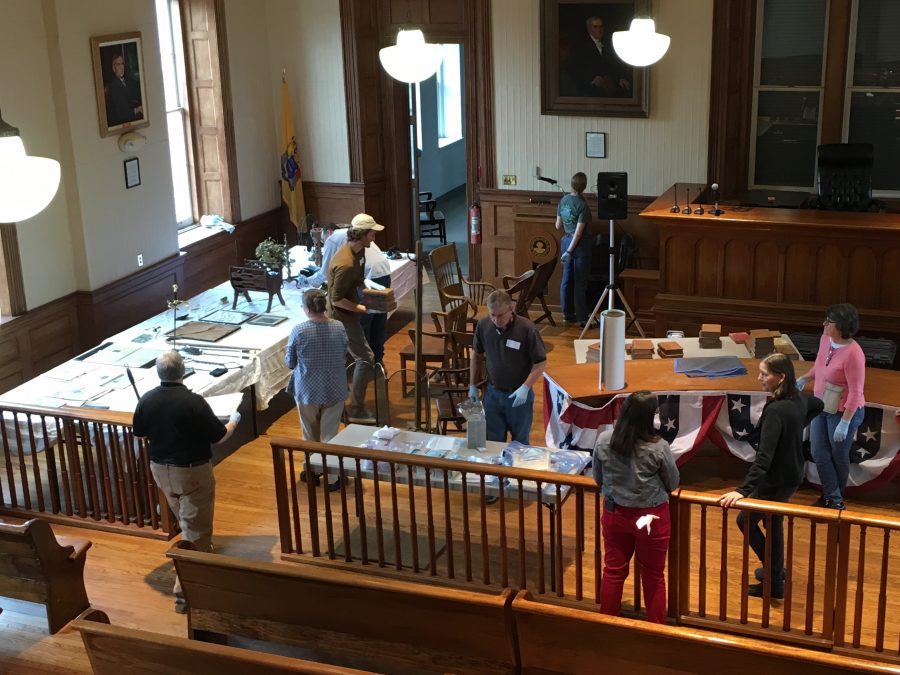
(272, 254)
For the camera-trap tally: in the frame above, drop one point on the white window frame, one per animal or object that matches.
(450, 103)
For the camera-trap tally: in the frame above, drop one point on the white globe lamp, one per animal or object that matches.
(640, 45)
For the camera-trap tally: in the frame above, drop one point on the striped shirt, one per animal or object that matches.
(316, 352)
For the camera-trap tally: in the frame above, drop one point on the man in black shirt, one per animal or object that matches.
(181, 428)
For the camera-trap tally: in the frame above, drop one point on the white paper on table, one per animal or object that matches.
(445, 443)
(224, 404)
(67, 372)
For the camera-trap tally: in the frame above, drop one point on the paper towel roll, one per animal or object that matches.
(613, 336)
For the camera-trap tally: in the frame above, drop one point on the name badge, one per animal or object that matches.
(512, 344)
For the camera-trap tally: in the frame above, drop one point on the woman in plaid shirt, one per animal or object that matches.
(316, 353)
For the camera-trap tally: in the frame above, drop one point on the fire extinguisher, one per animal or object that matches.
(475, 223)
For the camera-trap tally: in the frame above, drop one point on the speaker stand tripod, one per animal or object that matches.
(612, 290)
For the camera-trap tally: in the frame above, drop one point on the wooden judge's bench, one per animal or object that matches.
(759, 267)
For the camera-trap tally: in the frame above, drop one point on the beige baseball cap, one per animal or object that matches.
(363, 221)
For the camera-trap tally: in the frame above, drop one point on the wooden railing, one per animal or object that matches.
(79, 467)
(419, 520)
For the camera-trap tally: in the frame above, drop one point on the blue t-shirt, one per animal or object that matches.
(572, 210)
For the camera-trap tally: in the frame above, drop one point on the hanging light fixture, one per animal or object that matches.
(27, 184)
(411, 59)
(640, 45)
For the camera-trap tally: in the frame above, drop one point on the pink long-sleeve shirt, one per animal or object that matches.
(846, 368)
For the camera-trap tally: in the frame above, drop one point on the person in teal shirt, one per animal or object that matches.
(573, 216)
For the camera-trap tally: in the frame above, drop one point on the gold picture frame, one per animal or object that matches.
(119, 82)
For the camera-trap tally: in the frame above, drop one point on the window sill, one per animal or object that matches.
(444, 142)
(196, 234)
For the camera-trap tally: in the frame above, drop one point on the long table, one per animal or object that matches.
(724, 411)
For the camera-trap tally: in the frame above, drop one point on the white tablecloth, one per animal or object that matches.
(104, 384)
(691, 347)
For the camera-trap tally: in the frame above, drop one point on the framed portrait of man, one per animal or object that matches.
(119, 82)
(581, 74)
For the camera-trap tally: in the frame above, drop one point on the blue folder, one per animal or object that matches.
(710, 366)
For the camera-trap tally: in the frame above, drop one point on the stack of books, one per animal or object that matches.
(640, 349)
(761, 342)
(783, 346)
(711, 336)
(380, 301)
(670, 350)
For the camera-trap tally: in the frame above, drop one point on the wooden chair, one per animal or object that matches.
(449, 385)
(431, 220)
(35, 566)
(452, 285)
(530, 286)
(383, 620)
(434, 343)
(114, 650)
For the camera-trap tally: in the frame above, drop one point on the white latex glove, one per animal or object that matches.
(841, 431)
(235, 417)
(645, 521)
(473, 393)
(520, 395)
(801, 382)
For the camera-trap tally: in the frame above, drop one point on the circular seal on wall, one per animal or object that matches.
(540, 247)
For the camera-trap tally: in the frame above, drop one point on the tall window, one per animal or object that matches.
(788, 80)
(177, 118)
(198, 109)
(449, 96)
(872, 101)
(806, 50)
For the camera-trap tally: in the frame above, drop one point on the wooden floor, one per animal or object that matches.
(131, 579)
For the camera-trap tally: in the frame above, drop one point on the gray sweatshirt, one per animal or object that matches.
(640, 480)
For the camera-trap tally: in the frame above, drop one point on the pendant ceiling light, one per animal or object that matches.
(640, 45)
(411, 59)
(27, 184)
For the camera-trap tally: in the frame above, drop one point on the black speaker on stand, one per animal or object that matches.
(612, 205)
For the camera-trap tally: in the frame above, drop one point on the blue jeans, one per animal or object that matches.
(501, 416)
(573, 288)
(833, 459)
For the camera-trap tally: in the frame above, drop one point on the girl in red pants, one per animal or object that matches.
(636, 471)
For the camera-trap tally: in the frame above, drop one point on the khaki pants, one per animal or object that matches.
(191, 494)
(320, 422)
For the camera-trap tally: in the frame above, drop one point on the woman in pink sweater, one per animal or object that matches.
(841, 365)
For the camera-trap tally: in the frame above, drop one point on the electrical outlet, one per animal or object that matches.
(509, 180)
(140, 259)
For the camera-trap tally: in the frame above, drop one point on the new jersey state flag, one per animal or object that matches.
(291, 186)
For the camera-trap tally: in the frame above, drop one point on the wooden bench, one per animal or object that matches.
(35, 566)
(555, 639)
(114, 650)
(387, 621)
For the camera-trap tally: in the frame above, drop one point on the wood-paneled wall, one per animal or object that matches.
(776, 268)
(510, 217)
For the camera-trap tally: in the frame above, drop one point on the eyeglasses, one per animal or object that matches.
(828, 321)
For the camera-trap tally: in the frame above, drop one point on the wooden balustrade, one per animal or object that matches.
(463, 537)
(79, 467)
(416, 517)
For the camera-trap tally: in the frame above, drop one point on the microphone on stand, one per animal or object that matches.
(133, 385)
(716, 210)
(675, 208)
(687, 202)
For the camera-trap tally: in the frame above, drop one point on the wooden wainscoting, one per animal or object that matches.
(36, 341)
(334, 202)
(511, 218)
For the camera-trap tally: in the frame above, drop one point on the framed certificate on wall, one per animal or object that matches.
(595, 144)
